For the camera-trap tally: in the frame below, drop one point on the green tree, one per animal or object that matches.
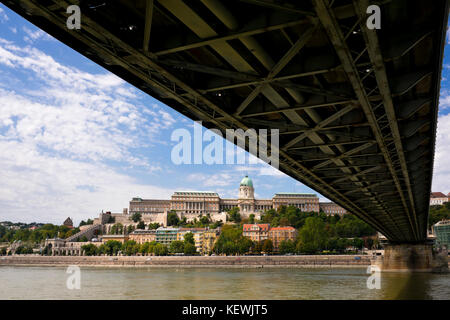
(160, 250)
(136, 217)
(117, 229)
(358, 243)
(286, 246)
(172, 219)
(130, 229)
(231, 241)
(177, 246)
(267, 246)
(189, 238)
(234, 215)
(153, 226)
(256, 247)
(88, 222)
(129, 248)
(438, 213)
(141, 225)
(89, 249)
(251, 218)
(312, 236)
(189, 248)
(112, 247)
(332, 244)
(244, 245)
(204, 221)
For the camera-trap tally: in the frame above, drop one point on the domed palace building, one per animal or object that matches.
(192, 204)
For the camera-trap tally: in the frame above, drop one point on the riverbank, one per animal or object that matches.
(191, 261)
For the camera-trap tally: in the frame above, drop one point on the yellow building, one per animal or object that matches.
(143, 236)
(279, 234)
(117, 237)
(209, 239)
(204, 238)
(198, 236)
(256, 232)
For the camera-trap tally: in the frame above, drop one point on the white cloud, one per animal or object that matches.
(3, 17)
(441, 172)
(448, 35)
(212, 180)
(444, 99)
(59, 131)
(37, 34)
(38, 187)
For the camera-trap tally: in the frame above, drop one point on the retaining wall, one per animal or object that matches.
(190, 261)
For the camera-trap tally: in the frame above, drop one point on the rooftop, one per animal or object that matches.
(260, 226)
(140, 231)
(196, 193)
(246, 181)
(289, 228)
(442, 223)
(295, 194)
(438, 195)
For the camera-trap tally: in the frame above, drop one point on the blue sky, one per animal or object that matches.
(75, 139)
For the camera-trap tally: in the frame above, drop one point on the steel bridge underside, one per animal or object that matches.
(356, 108)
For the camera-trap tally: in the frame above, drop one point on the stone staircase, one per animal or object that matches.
(88, 233)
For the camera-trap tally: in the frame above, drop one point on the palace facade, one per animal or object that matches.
(192, 204)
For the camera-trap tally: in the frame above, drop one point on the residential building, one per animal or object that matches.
(442, 232)
(166, 235)
(256, 232)
(198, 234)
(142, 236)
(438, 198)
(117, 237)
(209, 239)
(278, 234)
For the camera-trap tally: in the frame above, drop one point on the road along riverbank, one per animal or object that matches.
(191, 261)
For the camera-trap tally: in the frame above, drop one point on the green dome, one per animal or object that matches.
(247, 182)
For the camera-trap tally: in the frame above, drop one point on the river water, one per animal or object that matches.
(217, 283)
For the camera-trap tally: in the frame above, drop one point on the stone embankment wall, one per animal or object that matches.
(191, 261)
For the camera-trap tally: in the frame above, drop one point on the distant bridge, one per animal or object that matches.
(356, 108)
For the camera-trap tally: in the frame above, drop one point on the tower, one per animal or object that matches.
(246, 190)
(246, 199)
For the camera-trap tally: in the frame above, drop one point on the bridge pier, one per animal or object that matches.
(412, 258)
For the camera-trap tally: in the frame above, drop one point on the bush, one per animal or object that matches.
(130, 247)
(172, 219)
(177, 247)
(160, 250)
(140, 225)
(189, 249)
(89, 249)
(286, 246)
(136, 217)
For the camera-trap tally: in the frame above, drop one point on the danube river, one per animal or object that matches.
(217, 283)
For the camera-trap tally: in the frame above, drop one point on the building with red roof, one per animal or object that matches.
(256, 232)
(438, 198)
(279, 234)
